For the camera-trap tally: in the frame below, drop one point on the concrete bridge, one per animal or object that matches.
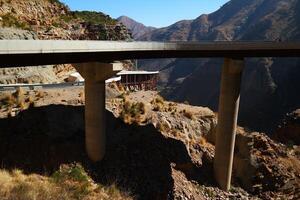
(93, 59)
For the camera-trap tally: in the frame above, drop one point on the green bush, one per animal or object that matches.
(67, 18)
(94, 17)
(75, 172)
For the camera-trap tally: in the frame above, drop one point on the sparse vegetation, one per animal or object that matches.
(19, 100)
(68, 183)
(9, 20)
(67, 18)
(122, 96)
(95, 17)
(133, 112)
(158, 103)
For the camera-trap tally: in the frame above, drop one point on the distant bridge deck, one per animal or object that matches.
(43, 52)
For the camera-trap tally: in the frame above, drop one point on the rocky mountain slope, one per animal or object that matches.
(269, 84)
(51, 19)
(137, 29)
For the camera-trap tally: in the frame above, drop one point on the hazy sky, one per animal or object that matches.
(156, 13)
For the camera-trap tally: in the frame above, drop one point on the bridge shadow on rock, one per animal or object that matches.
(139, 159)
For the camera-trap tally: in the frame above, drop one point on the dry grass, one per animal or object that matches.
(19, 99)
(71, 182)
(16, 99)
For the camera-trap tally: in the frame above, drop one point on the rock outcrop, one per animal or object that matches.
(289, 129)
(263, 166)
(17, 34)
(45, 20)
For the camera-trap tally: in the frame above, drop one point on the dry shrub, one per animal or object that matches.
(176, 133)
(159, 99)
(14, 99)
(202, 141)
(7, 100)
(172, 108)
(123, 96)
(121, 88)
(162, 127)
(22, 105)
(158, 104)
(19, 99)
(133, 112)
(40, 94)
(188, 114)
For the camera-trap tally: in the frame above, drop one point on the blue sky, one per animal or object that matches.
(157, 13)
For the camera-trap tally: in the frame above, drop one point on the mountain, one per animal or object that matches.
(237, 20)
(137, 29)
(269, 84)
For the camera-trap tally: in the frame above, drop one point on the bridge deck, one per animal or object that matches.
(37, 52)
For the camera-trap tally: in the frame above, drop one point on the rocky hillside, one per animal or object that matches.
(237, 20)
(269, 84)
(156, 150)
(51, 19)
(137, 29)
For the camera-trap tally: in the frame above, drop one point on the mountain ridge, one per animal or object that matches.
(138, 29)
(268, 83)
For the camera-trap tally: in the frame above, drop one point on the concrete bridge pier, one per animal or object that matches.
(227, 120)
(95, 75)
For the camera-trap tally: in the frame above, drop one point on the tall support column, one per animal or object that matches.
(95, 75)
(95, 138)
(227, 120)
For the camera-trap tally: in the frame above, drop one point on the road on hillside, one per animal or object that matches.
(10, 87)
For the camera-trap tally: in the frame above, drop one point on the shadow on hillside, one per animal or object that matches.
(40, 139)
(138, 159)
